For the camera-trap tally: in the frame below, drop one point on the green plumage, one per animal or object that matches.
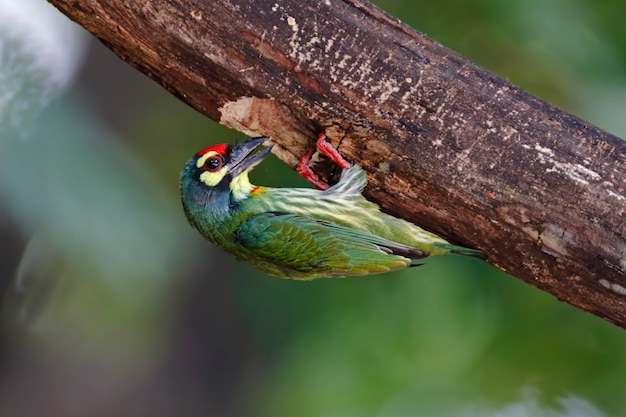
(291, 245)
(299, 233)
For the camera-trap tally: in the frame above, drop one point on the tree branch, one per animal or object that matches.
(446, 144)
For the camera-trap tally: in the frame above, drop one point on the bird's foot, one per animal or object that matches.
(327, 149)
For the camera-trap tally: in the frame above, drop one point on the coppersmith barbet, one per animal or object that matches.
(299, 233)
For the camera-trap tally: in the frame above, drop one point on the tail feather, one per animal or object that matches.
(459, 250)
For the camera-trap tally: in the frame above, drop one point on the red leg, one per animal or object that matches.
(305, 171)
(327, 149)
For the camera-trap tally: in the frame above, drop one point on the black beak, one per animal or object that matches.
(241, 156)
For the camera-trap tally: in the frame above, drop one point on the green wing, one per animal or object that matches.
(295, 246)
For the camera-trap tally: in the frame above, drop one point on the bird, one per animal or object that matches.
(299, 233)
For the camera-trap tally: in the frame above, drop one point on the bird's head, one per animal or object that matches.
(220, 172)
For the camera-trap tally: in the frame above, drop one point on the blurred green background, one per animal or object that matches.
(113, 306)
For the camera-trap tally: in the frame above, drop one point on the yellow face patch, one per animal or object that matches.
(240, 186)
(210, 178)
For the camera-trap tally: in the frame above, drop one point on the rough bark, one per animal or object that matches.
(446, 144)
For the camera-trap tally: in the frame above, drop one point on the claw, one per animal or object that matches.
(305, 171)
(327, 149)
(322, 145)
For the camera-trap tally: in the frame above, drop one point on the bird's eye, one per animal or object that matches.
(214, 163)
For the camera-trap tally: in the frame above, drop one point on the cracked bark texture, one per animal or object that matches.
(446, 144)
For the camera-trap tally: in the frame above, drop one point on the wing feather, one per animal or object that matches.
(299, 246)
